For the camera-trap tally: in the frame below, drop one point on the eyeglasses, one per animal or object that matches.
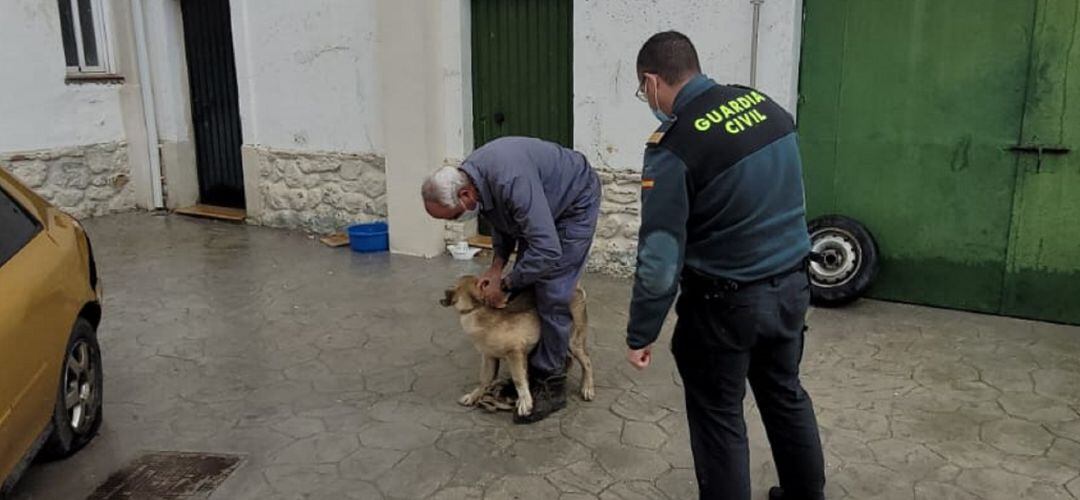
(640, 93)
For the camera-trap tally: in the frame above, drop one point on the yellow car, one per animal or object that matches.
(50, 361)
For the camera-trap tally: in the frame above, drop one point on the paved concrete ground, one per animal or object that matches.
(337, 375)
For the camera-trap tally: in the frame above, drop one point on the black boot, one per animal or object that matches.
(549, 396)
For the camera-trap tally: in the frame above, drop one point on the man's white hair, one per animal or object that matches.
(443, 185)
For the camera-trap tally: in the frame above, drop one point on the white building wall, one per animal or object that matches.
(65, 140)
(50, 114)
(310, 110)
(172, 100)
(310, 80)
(779, 51)
(611, 125)
(313, 84)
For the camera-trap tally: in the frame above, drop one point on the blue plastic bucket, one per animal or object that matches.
(369, 237)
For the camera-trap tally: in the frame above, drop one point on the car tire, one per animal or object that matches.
(78, 411)
(843, 260)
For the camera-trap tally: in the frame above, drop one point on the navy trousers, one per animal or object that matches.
(725, 337)
(555, 289)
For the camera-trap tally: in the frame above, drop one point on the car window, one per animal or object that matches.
(17, 227)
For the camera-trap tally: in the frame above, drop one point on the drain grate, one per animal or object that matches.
(168, 475)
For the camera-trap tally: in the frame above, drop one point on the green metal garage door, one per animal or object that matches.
(522, 60)
(924, 120)
(522, 71)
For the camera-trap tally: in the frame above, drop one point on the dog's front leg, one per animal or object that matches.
(488, 368)
(519, 366)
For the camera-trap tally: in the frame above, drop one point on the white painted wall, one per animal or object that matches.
(610, 124)
(307, 74)
(38, 110)
(172, 100)
(779, 51)
(455, 35)
(412, 72)
(168, 69)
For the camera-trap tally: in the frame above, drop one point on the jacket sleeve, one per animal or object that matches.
(528, 207)
(502, 244)
(665, 208)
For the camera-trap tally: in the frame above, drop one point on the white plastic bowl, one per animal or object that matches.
(462, 254)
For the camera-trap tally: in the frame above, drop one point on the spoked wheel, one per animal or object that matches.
(77, 415)
(80, 387)
(843, 262)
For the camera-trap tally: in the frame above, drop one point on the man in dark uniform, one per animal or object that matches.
(722, 208)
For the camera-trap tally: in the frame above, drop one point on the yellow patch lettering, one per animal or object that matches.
(727, 111)
(715, 116)
(732, 127)
(735, 106)
(702, 124)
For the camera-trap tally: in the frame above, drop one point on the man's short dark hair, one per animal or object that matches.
(669, 54)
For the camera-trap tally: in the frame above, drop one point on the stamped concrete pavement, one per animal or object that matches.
(336, 375)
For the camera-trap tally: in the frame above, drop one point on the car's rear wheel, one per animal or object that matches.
(78, 412)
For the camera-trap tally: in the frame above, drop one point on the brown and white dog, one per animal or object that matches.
(509, 334)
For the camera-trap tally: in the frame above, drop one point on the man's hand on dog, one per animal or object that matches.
(493, 276)
(639, 358)
(492, 293)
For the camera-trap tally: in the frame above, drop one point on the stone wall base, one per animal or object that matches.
(84, 181)
(318, 191)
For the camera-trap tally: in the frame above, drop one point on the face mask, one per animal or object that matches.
(468, 214)
(660, 115)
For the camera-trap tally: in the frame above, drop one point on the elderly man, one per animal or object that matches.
(542, 200)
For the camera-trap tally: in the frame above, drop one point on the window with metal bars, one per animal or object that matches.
(83, 28)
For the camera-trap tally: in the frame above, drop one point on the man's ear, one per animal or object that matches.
(467, 195)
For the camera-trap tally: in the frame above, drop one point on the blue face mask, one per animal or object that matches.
(660, 115)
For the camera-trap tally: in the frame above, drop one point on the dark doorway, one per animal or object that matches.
(215, 109)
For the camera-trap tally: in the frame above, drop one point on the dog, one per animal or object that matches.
(509, 334)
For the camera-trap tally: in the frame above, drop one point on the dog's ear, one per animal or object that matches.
(448, 298)
(473, 289)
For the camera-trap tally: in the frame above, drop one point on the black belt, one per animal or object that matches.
(694, 281)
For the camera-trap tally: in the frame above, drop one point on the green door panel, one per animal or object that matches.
(906, 112)
(822, 64)
(1043, 275)
(522, 56)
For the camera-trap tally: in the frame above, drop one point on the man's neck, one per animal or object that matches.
(675, 89)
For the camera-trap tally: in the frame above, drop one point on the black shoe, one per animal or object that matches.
(549, 396)
(776, 493)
